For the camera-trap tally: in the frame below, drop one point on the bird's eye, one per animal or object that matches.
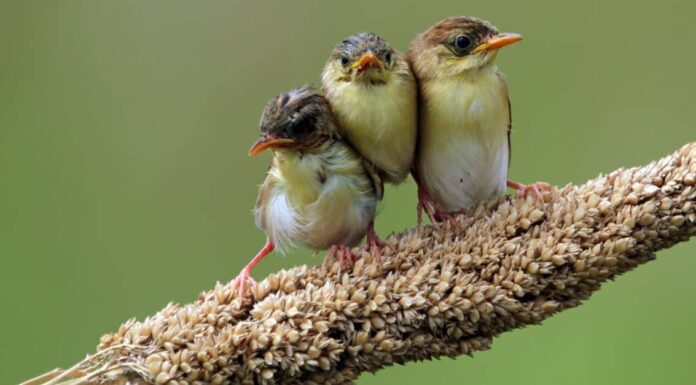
(300, 127)
(462, 42)
(344, 61)
(387, 57)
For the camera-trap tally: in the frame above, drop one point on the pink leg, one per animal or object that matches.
(534, 188)
(342, 252)
(331, 254)
(425, 203)
(373, 243)
(244, 278)
(432, 208)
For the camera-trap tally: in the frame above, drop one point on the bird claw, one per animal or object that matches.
(432, 209)
(244, 278)
(242, 282)
(420, 207)
(432, 213)
(341, 252)
(427, 204)
(374, 245)
(534, 188)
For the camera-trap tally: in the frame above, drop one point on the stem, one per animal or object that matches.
(441, 290)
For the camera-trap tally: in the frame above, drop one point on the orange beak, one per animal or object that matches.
(498, 41)
(367, 60)
(266, 142)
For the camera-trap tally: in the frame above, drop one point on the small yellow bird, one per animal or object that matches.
(373, 95)
(464, 143)
(318, 191)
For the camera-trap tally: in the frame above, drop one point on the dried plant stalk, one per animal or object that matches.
(441, 290)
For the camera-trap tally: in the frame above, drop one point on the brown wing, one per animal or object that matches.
(503, 84)
(373, 173)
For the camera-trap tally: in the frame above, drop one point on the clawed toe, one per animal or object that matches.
(342, 253)
(442, 216)
(242, 282)
(425, 204)
(375, 248)
(433, 210)
(533, 188)
(374, 244)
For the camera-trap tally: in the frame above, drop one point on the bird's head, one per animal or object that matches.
(364, 58)
(299, 119)
(457, 45)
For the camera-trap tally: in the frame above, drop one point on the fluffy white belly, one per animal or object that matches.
(334, 218)
(300, 208)
(464, 151)
(465, 172)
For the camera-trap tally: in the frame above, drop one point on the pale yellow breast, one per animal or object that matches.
(464, 156)
(298, 175)
(380, 121)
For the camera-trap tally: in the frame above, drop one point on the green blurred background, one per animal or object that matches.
(125, 181)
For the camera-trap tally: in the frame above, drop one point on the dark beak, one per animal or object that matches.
(367, 60)
(266, 141)
(498, 41)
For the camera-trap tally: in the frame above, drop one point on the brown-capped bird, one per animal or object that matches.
(318, 191)
(464, 143)
(373, 95)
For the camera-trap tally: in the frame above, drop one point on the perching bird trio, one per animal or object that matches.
(441, 112)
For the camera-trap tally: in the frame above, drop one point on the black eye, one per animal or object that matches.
(387, 57)
(462, 42)
(344, 61)
(301, 127)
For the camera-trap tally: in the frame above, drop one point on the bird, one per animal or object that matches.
(373, 95)
(318, 191)
(464, 144)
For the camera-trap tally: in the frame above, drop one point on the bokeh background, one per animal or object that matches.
(125, 181)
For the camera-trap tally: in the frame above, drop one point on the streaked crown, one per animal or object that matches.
(298, 113)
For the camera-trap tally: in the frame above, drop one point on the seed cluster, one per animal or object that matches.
(442, 290)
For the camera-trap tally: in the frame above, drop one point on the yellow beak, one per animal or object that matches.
(367, 60)
(266, 142)
(498, 41)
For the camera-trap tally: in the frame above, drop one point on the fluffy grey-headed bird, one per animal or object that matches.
(318, 191)
(373, 95)
(465, 120)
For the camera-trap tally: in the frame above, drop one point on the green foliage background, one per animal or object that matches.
(125, 183)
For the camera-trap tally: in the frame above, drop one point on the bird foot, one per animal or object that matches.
(533, 188)
(374, 244)
(442, 216)
(244, 281)
(342, 253)
(432, 209)
(429, 206)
